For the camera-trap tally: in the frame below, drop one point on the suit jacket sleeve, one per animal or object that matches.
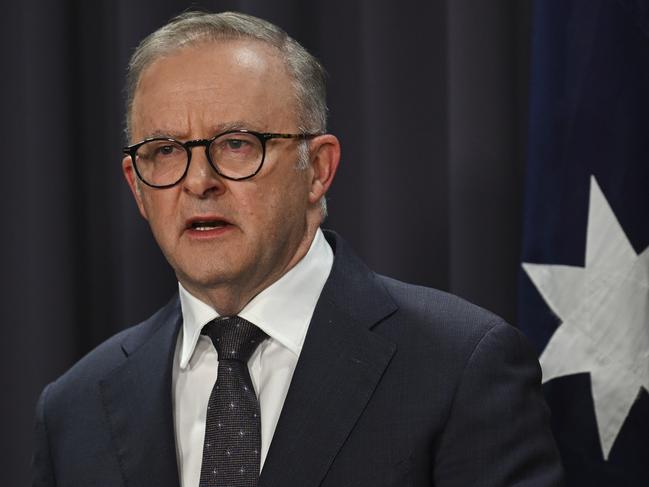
(42, 470)
(497, 433)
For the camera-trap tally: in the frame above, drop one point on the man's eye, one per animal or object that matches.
(235, 144)
(166, 150)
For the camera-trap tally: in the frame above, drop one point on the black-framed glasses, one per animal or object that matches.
(162, 162)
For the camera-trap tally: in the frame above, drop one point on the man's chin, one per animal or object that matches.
(205, 280)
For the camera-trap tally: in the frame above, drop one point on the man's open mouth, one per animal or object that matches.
(205, 225)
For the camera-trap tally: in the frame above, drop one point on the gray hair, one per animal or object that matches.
(192, 28)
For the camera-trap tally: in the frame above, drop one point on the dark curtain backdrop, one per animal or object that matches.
(427, 97)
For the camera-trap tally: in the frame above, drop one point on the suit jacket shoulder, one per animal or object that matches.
(449, 318)
(97, 364)
(110, 414)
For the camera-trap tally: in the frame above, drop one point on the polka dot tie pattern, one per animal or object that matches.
(231, 451)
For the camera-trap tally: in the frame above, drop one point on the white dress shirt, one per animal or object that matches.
(283, 311)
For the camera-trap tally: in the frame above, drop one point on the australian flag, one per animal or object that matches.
(584, 282)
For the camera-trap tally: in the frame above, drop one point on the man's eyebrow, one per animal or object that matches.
(164, 134)
(234, 125)
(216, 129)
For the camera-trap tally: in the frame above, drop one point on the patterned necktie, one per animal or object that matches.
(233, 427)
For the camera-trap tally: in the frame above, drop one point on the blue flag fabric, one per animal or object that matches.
(584, 285)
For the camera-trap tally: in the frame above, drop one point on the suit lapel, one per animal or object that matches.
(137, 402)
(340, 365)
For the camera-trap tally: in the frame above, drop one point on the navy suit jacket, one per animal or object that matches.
(397, 385)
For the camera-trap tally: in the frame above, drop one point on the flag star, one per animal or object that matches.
(603, 309)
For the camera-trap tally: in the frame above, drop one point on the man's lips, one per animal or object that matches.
(206, 224)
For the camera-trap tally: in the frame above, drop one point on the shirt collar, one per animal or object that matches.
(283, 310)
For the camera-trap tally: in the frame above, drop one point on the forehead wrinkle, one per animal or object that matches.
(179, 131)
(195, 120)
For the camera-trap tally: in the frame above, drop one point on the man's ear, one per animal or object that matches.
(133, 183)
(324, 158)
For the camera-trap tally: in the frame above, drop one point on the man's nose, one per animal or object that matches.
(201, 178)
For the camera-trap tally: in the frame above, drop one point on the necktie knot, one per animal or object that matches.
(233, 337)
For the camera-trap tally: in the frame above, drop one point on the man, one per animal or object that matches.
(340, 377)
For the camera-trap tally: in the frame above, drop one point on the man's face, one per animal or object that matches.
(264, 224)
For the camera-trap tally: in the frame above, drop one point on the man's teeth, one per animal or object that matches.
(204, 226)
